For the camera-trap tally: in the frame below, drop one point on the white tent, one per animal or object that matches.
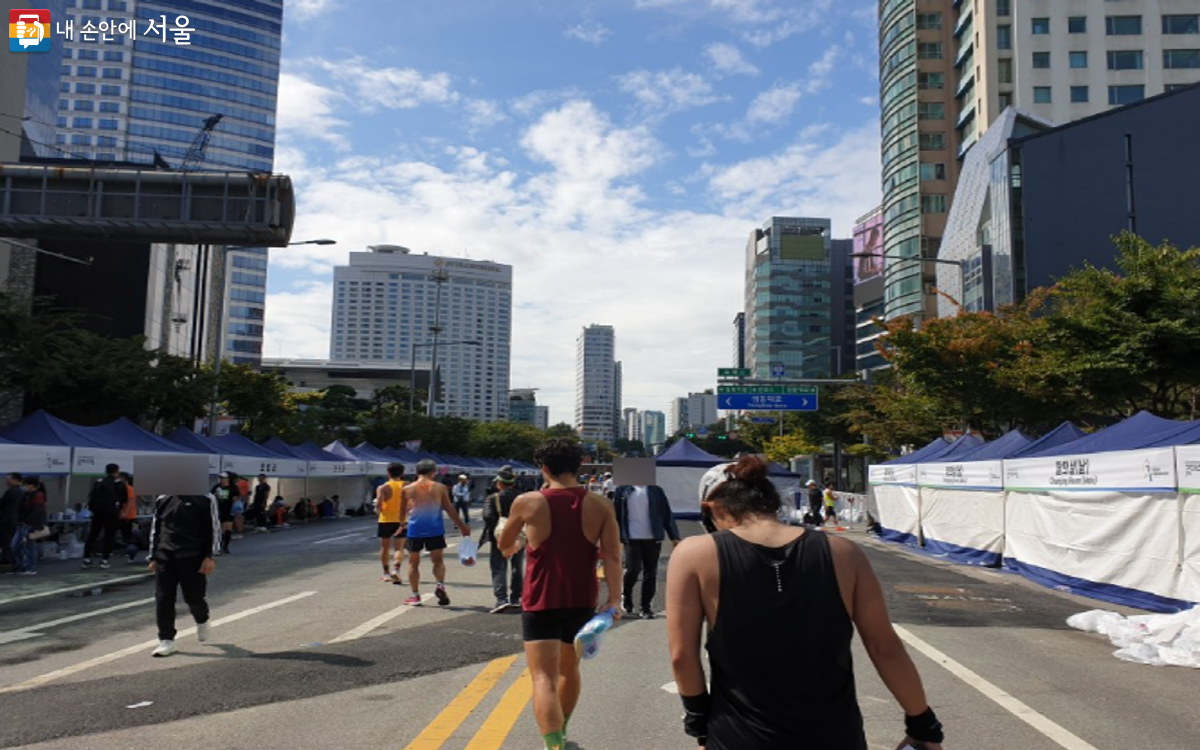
(962, 510)
(896, 501)
(1187, 468)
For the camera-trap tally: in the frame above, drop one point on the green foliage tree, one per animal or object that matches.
(504, 440)
(259, 399)
(783, 449)
(562, 430)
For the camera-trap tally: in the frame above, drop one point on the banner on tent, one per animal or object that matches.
(335, 469)
(966, 475)
(1187, 468)
(249, 466)
(91, 461)
(43, 460)
(1149, 470)
(898, 474)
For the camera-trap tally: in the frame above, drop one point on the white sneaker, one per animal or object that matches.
(165, 648)
(202, 631)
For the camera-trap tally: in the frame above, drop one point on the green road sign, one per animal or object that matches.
(755, 390)
(733, 372)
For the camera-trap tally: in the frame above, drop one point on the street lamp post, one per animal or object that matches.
(412, 373)
(220, 324)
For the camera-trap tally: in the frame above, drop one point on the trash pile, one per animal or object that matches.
(1157, 640)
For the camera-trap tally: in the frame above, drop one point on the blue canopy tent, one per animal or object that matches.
(679, 468)
(1064, 433)
(935, 446)
(1001, 447)
(895, 497)
(1139, 431)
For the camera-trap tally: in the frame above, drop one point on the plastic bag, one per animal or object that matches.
(468, 551)
(1095, 621)
(587, 641)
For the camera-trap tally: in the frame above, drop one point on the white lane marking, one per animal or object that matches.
(321, 539)
(370, 625)
(97, 584)
(1023, 712)
(341, 537)
(142, 647)
(143, 704)
(33, 631)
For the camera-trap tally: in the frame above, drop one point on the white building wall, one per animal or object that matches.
(596, 384)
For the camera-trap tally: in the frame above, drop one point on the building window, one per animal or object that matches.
(110, 107)
(1118, 95)
(929, 50)
(1125, 60)
(112, 73)
(933, 141)
(108, 90)
(1123, 25)
(84, 105)
(1041, 95)
(1181, 58)
(1077, 25)
(931, 81)
(1041, 60)
(85, 71)
(107, 141)
(1004, 100)
(1181, 24)
(81, 122)
(1004, 70)
(81, 140)
(1078, 59)
(1004, 8)
(933, 204)
(933, 171)
(108, 124)
(1004, 37)
(929, 21)
(1040, 26)
(117, 56)
(931, 111)
(1079, 94)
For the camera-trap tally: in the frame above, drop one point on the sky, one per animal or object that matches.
(617, 154)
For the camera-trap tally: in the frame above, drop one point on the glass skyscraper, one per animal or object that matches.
(143, 99)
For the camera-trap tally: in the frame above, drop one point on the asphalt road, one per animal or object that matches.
(310, 650)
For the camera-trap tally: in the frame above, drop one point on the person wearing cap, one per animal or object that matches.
(462, 497)
(496, 508)
(815, 498)
(606, 487)
(226, 492)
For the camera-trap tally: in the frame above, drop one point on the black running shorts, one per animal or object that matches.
(555, 624)
(430, 543)
(388, 529)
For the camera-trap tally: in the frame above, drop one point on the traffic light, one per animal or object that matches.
(691, 436)
(722, 437)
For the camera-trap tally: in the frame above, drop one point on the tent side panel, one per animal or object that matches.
(899, 508)
(965, 525)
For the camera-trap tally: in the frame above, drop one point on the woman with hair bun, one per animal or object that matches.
(756, 580)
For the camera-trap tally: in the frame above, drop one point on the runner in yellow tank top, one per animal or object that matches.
(390, 504)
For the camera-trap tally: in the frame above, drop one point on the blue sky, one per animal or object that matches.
(616, 154)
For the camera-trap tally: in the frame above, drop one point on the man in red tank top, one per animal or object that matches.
(563, 527)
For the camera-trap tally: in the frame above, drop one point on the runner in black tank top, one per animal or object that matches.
(780, 650)
(781, 606)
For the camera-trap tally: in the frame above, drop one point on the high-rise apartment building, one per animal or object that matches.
(791, 274)
(597, 410)
(387, 302)
(631, 421)
(701, 409)
(948, 68)
(654, 429)
(143, 97)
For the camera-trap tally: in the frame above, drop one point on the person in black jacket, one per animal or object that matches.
(107, 496)
(10, 509)
(184, 540)
(496, 506)
(644, 518)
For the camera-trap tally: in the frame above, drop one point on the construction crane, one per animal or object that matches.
(195, 153)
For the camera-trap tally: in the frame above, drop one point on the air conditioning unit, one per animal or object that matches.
(179, 319)
(183, 264)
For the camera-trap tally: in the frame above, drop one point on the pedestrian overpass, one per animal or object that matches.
(151, 205)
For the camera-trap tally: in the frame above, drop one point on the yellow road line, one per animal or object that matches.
(499, 724)
(444, 724)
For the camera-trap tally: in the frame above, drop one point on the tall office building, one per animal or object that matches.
(596, 377)
(701, 409)
(542, 417)
(677, 415)
(522, 406)
(868, 290)
(791, 272)
(949, 68)
(739, 341)
(144, 99)
(618, 401)
(654, 429)
(631, 421)
(387, 301)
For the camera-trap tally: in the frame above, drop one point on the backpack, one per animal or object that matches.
(103, 496)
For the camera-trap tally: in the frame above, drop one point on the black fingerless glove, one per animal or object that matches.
(924, 727)
(695, 716)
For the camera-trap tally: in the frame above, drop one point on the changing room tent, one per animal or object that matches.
(678, 471)
(893, 497)
(962, 502)
(247, 458)
(40, 460)
(1187, 473)
(328, 474)
(1100, 516)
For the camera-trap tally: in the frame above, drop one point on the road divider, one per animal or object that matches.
(443, 726)
(503, 718)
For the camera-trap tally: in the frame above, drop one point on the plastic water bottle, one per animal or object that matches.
(587, 641)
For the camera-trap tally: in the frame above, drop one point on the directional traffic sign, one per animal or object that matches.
(733, 372)
(778, 371)
(768, 402)
(702, 431)
(746, 390)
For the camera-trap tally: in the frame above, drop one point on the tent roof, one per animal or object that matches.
(921, 454)
(40, 428)
(1002, 447)
(313, 452)
(240, 445)
(279, 446)
(685, 453)
(191, 441)
(338, 448)
(946, 451)
(1139, 431)
(1065, 433)
(371, 453)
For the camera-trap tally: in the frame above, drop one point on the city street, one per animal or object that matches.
(310, 650)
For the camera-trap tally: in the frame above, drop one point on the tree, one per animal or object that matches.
(259, 399)
(562, 430)
(626, 447)
(783, 449)
(504, 440)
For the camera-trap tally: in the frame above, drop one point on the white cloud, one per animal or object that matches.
(483, 113)
(820, 72)
(728, 59)
(591, 32)
(760, 22)
(306, 9)
(388, 88)
(774, 105)
(306, 109)
(660, 93)
(586, 244)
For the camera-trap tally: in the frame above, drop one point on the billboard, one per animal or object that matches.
(868, 241)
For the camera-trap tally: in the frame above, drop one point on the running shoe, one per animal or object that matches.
(202, 631)
(500, 607)
(414, 600)
(388, 578)
(104, 565)
(442, 597)
(87, 562)
(648, 614)
(165, 648)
